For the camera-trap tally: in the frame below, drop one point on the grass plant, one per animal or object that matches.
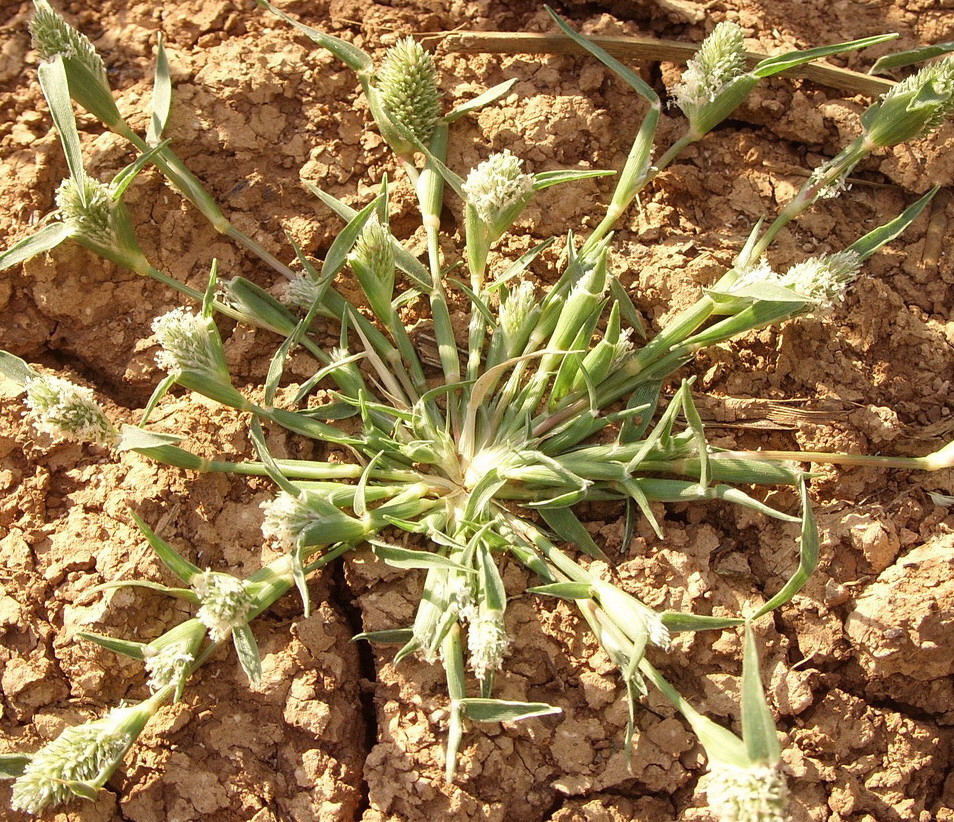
(554, 398)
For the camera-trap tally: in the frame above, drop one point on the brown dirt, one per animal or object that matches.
(859, 665)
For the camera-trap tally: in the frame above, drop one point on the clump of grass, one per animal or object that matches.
(556, 400)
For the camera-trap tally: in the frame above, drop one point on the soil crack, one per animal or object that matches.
(342, 597)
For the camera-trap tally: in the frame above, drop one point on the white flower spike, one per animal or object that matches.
(497, 185)
(68, 412)
(754, 794)
(225, 603)
(83, 756)
(188, 344)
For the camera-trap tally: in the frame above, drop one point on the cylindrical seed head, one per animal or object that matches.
(407, 81)
(53, 36)
(300, 292)
(824, 279)
(86, 754)
(88, 212)
(168, 658)
(914, 107)
(512, 316)
(497, 188)
(715, 81)
(189, 343)
(85, 72)
(754, 794)
(226, 603)
(372, 260)
(67, 411)
(719, 61)
(310, 519)
(487, 642)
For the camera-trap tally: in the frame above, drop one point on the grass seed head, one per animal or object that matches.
(754, 794)
(86, 753)
(300, 292)
(53, 36)
(407, 81)
(67, 411)
(373, 249)
(914, 107)
(487, 642)
(497, 186)
(824, 279)
(188, 344)
(372, 259)
(309, 517)
(88, 212)
(226, 603)
(719, 61)
(167, 665)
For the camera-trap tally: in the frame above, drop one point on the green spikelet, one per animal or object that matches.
(914, 107)
(407, 81)
(88, 211)
(53, 36)
(720, 59)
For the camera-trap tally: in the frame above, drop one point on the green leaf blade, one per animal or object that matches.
(46, 239)
(503, 710)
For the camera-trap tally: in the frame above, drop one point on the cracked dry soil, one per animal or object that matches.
(858, 667)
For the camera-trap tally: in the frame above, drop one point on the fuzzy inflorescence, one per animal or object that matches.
(86, 207)
(821, 280)
(824, 279)
(187, 343)
(225, 600)
(497, 185)
(67, 411)
(81, 753)
(167, 665)
(720, 59)
(407, 81)
(53, 36)
(755, 794)
(931, 90)
(301, 292)
(289, 519)
(487, 642)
